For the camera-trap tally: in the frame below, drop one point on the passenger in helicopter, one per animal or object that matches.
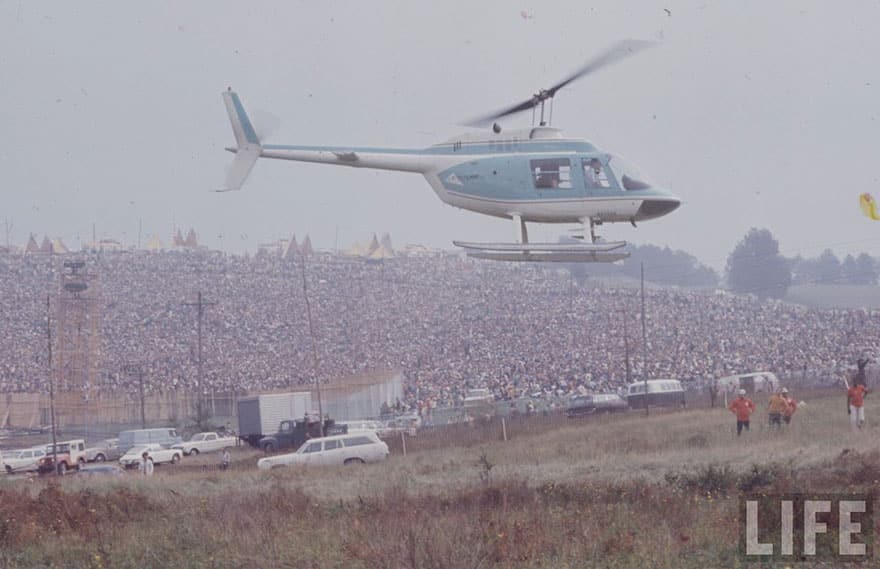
(547, 180)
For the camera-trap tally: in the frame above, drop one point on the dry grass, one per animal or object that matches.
(623, 491)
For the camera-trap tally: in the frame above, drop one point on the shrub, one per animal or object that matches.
(710, 479)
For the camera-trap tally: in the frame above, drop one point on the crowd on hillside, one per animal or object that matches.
(448, 322)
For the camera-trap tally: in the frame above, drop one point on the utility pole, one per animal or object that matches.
(8, 231)
(51, 383)
(200, 304)
(141, 389)
(138, 369)
(644, 342)
(626, 349)
(314, 347)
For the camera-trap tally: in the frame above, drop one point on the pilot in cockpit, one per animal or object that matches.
(592, 173)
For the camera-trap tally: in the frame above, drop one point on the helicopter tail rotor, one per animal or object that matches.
(617, 52)
(248, 143)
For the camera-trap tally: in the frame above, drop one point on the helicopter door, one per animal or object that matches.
(595, 176)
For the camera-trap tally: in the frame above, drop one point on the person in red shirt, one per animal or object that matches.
(855, 398)
(743, 407)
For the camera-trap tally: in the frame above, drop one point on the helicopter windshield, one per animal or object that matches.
(629, 176)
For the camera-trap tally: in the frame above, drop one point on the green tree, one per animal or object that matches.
(866, 270)
(828, 267)
(755, 266)
(849, 270)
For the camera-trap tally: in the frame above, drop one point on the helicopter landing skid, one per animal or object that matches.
(549, 257)
(547, 252)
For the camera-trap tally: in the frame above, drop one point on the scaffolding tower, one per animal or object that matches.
(78, 358)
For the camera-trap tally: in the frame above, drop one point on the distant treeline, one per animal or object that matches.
(662, 266)
(754, 266)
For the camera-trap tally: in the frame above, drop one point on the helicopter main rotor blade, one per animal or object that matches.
(617, 52)
(486, 120)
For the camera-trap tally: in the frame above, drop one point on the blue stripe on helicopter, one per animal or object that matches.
(450, 149)
(246, 126)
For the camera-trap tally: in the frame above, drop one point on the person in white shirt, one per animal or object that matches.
(145, 467)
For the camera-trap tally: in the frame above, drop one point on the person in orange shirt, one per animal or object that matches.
(743, 407)
(855, 398)
(791, 406)
(776, 409)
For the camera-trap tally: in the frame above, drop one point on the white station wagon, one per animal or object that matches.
(354, 448)
(23, 460)
(205, 442)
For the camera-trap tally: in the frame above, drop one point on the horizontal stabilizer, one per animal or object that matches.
(240, 168)
(543, 247)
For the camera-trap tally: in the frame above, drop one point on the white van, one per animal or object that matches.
(756, 382)
(661, 393)
(355, 448)
(166, 436)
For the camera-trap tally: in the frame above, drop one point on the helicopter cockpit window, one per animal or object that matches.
(551, 173)
(594, 174)
(629, 176)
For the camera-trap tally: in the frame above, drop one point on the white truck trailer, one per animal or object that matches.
(260, 415)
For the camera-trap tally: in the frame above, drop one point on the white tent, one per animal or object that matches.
(292, 249)
(373, 246)
(59, 247)
(381, 253)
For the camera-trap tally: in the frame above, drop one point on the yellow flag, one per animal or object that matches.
(869, 206)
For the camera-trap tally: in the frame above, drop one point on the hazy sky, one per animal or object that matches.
(755, 113)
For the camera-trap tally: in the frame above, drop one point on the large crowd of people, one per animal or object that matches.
(448, 322)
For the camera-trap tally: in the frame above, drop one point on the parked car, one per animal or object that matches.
(408, 424)
(355, 448)
(103, 451)
(205, 442)
(158, 455)
(23, 460)
(69, 454)
(100, 470)
(582, 405)
(362, 425)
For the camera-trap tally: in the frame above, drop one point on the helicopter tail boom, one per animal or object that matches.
(375, 158)
(249, 148)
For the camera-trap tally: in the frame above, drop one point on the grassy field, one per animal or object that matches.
(621, 491)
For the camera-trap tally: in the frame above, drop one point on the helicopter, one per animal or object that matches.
(534, 175)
